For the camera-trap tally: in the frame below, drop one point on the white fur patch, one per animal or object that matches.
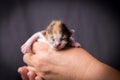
(41, 38)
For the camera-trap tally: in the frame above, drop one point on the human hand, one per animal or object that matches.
(70, 64)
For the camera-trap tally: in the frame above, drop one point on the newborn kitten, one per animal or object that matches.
(57, 35)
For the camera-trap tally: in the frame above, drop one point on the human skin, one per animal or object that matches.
(68, 64)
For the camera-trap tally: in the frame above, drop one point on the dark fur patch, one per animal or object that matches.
(65, 30)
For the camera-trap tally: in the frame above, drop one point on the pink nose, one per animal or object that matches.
(57, 44)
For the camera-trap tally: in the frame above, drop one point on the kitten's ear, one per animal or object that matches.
(72, 31)
(43, 32)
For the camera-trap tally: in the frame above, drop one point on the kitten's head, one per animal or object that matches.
(58, 35)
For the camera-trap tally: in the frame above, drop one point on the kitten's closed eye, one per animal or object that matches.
(64, 39)
(53, 39)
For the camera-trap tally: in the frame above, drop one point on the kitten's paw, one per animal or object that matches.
(25, 48)
(76, 44)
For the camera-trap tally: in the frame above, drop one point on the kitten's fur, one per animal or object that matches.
(57, 35)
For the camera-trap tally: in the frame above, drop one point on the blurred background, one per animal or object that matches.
(97, 26)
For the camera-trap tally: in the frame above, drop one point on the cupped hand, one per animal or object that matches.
(45, 63)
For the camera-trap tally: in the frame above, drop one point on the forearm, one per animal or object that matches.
(92, 69)
(100, 71)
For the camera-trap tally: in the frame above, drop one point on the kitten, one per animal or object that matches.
(57, 35)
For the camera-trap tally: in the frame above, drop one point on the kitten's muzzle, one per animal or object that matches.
(57, 45)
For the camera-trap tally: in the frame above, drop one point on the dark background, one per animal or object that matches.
(96, 24)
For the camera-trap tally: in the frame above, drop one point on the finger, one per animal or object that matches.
(34, 60)
(27, 59)
(39, 78)
(23, 72)
(31, 75)
(31, 68)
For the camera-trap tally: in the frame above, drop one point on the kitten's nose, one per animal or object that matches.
(57, 44)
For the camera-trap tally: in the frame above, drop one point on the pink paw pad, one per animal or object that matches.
(76, 44)
(25, 48)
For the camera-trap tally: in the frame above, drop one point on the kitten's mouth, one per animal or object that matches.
(59, 47)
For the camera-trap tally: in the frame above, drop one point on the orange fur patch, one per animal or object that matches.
(55, 27)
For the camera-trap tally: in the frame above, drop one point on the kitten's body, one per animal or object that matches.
(57, 35)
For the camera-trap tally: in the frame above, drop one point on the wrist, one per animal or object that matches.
(82, 63)
(100, 71)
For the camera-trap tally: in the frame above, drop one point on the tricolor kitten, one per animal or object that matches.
(57, 35)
